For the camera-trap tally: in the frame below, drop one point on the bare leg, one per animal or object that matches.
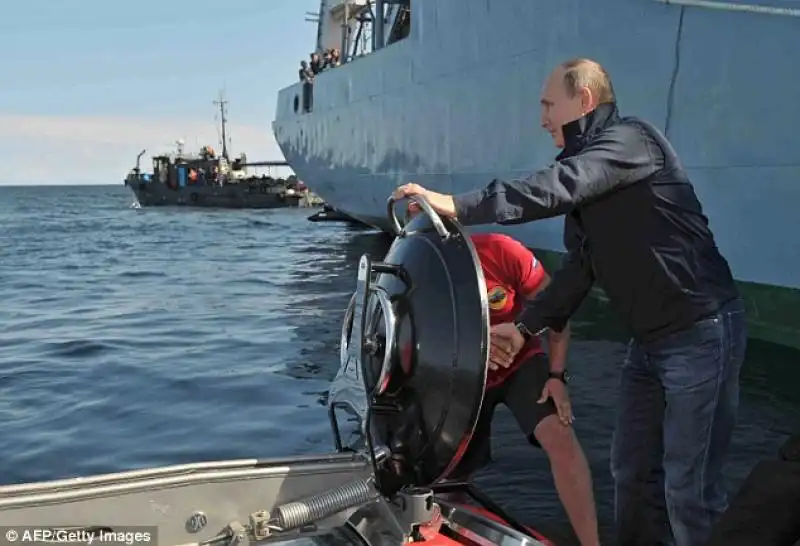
(571, 475)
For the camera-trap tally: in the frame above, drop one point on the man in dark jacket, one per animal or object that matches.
(635, 225)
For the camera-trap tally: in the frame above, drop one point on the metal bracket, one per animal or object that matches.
(259, 524)
(417, 508)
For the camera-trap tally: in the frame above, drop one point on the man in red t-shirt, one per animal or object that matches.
(531, 383)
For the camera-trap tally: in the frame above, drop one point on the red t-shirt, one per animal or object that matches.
(512, 273)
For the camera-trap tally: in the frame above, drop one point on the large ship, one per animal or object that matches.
(446, 93)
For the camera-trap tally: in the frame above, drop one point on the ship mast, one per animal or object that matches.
(221, 102)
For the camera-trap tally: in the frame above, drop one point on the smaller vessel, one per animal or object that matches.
(206, 179)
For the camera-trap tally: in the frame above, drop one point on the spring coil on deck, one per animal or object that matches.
(299, 513)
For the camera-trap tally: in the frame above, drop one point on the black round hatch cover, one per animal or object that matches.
(423, 353)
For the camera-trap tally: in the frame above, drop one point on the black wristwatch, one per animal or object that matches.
(561, 376)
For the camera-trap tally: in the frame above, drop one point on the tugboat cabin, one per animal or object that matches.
(204, 169)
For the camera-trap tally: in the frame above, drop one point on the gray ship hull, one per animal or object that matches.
(455, 104)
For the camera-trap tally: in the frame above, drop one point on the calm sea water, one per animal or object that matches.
(138, 337)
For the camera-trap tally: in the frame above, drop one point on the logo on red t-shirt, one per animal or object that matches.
(498, 298)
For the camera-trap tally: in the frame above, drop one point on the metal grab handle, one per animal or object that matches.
(389, 332)
(384, 304)
(436, 220)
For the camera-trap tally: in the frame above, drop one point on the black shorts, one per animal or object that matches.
(519, 393)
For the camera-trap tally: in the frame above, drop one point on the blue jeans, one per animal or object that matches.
(679, 398)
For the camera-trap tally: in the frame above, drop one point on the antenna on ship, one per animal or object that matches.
(221, 102)
(312, 17)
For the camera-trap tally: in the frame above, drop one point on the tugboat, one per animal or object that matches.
(415, 345)
(209, 180)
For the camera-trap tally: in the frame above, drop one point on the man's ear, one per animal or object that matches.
(588, 100)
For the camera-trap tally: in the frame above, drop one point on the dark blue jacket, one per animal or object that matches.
(633, 224)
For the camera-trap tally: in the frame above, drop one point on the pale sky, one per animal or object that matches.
(87, 84)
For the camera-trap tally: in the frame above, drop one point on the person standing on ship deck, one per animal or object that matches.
(531, 384)
(634, 224)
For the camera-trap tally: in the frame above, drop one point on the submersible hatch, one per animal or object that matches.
(415, 343)
(414, 353)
